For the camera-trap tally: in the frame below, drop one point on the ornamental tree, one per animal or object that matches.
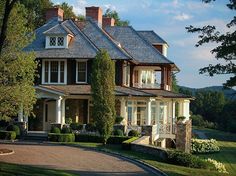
(103, 86)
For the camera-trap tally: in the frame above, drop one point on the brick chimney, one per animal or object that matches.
(54, 12)
(108, 21)
(94, 13)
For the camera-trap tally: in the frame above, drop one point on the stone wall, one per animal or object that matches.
(183, 136)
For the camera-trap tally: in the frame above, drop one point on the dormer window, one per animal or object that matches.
(56, 42)
(53, 41)
(60, 41)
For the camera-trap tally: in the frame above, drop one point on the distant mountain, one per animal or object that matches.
(229, 93)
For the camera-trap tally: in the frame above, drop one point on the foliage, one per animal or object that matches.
(175, 87)
(204, 146)
(14, 128)
(185, 159)
(118, 132)
(68, 10)
(197, 120)
(134, 133)
(126, 145)
(180, 118)
(76, 126)
(66, 130)
(220, 167)
(55, 130)
(118, 119)
(103, 86)
(88, 138)
(8, 135)
(225, 49)
(117, 139)
(17, 68)
(115, 15)
(4, 123)
(68, 121)
(90, 127)
(61, 137)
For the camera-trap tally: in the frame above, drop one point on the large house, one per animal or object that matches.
(65, 49)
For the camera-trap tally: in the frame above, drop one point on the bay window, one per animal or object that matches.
(53, 72)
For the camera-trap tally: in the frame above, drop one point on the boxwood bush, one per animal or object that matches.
(76, 126)
(126, 145)
(55, 130)
(61, 137)
(185, 159)
(117, 139)
(8, 135)
(204, 146)
(14, 128)
(118, 132)
(66, 130)
(134, 133)
(88, 138)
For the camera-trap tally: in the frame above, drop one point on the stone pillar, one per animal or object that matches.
(21, 114)
(183, 136)
(58, 110)
(149, 108)
(63, 111)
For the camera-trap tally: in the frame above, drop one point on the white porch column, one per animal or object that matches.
(139, 77)
(184, 109)
(63, 111)
(149, 108)
(173, 111)
(20, 114)
(58, 110)
(123, 111)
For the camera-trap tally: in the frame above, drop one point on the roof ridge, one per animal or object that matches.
(171, 62)
(109, 38)
(57, 25)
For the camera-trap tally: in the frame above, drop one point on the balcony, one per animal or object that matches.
(146, 86)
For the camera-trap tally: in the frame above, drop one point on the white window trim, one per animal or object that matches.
(56, 46)
(49, 72)
(86, 76)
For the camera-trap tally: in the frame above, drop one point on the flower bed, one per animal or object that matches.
(220, 167)
(204, 146)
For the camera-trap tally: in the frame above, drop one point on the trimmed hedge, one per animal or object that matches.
(8, 135)
(185, 159)
(133, 133)
(90, 127)
(117, 139)
(126, 145)
(66, 130)
(88, 138)
(118, 132)
(55, 130)
(204, 146)
(76, 126)
(61, 137)
(14, 128)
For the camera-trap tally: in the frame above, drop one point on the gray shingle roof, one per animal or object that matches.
(103, 41)
(152, 37)
(79, 47)
(167, 94)
(140, 49)
(58, 29)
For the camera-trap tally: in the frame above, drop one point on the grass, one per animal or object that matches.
(227, 154)
(7, 169)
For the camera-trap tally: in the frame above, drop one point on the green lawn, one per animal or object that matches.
(227, 154)
(16, 169)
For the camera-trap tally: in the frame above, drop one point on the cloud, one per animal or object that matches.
(182, 17)
(79, 7)
(109, 6)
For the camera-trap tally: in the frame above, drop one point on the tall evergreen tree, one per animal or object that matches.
(103, 86)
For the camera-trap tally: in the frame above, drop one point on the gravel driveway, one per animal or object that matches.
(82, 161)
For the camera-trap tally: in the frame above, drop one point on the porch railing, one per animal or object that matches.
(166, 128)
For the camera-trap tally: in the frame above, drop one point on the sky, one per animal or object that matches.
(168, 18)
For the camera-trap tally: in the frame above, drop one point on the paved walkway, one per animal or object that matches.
(81, 161)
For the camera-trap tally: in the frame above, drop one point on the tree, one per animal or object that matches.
(103, 86)
(68, 10)
(113, 14)
(225, 49)
(17, 68)
(175, 87)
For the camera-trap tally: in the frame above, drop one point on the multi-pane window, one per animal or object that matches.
(52, 41)
(81, 72)
(60, 41)
(56, 41)
(54, 72)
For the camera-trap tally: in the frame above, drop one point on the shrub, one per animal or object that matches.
(134, 133)
(220, 167)
(14, 128)
(185, 159)
(55, 130)
(68, 121)
(66, 130)
(61, 137)
(76, 126)
(126, 145)
(9, 135)
(180, 118)
(197, 120)
(117, 139)
(211, 125)
(118, 119)
(89, 138)
(118, 132)
(204, 146)
(3, 123)
(90, 127)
